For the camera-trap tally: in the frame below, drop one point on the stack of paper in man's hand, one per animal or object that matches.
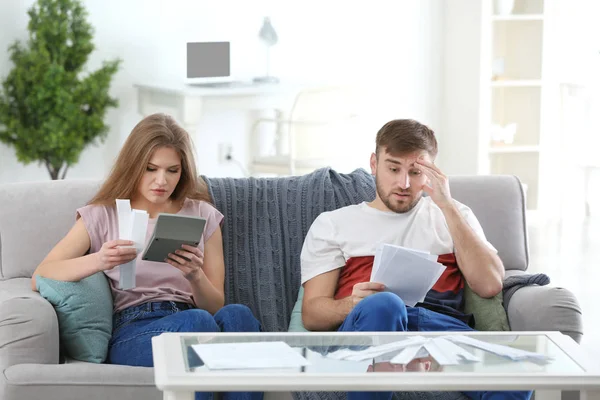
(408, 273)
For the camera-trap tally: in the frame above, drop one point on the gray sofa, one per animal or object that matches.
(266, 220)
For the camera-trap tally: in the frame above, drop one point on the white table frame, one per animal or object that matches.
(178, 384)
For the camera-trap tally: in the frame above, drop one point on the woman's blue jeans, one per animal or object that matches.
(134, 327)
(386, 312)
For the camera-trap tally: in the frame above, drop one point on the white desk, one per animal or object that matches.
(187, 103)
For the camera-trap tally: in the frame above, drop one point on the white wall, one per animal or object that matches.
(395, 47)
(460, 113)
(579, 41)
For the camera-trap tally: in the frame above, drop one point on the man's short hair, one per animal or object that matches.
(405, 136)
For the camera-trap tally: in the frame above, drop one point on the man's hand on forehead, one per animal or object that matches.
(437, 186)
(428, 166)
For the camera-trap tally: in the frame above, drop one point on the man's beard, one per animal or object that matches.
(395, 207)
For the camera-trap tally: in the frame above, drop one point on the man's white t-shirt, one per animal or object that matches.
(356, 231)
(346, 238)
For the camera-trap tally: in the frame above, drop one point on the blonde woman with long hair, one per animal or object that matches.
(156, 171)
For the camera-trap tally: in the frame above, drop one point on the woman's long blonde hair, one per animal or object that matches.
(151, 133)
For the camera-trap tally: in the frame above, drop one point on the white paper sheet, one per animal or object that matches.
(376, 351)
(449, 347)
(447, 353)
(408, 354)
(254, 355)
(140, 229)
(503, 351)
(133, 225)
(443, 349)
(124, 214)
(407, 272)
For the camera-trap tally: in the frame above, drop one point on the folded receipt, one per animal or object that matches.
(133, 225)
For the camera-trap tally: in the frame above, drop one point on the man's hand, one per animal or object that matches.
(437, 186)
(364, 289)
(416, 365)
(481, 267)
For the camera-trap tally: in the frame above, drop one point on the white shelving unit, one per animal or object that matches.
(522, 17)
(517, 83)
(513, 149)
(515, 89)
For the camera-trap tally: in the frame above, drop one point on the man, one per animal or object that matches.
(338, 252)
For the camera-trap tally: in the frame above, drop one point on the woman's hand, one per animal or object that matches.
(111, 254)
(189, 260)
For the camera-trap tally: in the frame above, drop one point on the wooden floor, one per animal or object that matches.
(568, 250)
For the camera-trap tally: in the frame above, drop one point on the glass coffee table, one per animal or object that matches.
(179, 372)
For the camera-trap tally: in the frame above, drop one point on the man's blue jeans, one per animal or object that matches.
(134, 327)
(386, 312)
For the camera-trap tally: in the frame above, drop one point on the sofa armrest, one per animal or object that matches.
(28, 325)
(545, 308)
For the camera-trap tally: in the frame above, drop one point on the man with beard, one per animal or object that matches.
(338, 252)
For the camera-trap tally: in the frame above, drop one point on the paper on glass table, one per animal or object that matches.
(253, 355)
(443, 349)
(406, 272)
(440, 349)
(409, 353)
(504, 351)
(133, 225)
(376, 351)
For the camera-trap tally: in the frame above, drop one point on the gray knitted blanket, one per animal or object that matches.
(266, 220)
(516, 282)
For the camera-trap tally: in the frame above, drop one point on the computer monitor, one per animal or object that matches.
(209, 62)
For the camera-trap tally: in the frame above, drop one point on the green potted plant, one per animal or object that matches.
(51, 108)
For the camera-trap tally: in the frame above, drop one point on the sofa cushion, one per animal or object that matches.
(28, 326)
(80, 380)
(498, 202)
(40, 213)
(84, 311)
(296, 324)
(489, 314)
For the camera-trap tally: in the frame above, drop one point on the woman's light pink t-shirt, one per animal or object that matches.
(155, 281)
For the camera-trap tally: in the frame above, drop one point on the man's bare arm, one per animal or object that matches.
(480, 265)
(320, 311)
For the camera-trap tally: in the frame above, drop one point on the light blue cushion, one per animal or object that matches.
(296, 324)
(84, 310)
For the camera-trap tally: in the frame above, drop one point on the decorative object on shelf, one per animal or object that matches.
(504, 7)
(497, 68)
(269, 38)
(503, 134)
(51, 106)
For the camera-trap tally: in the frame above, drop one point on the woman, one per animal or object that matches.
(156, 171)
